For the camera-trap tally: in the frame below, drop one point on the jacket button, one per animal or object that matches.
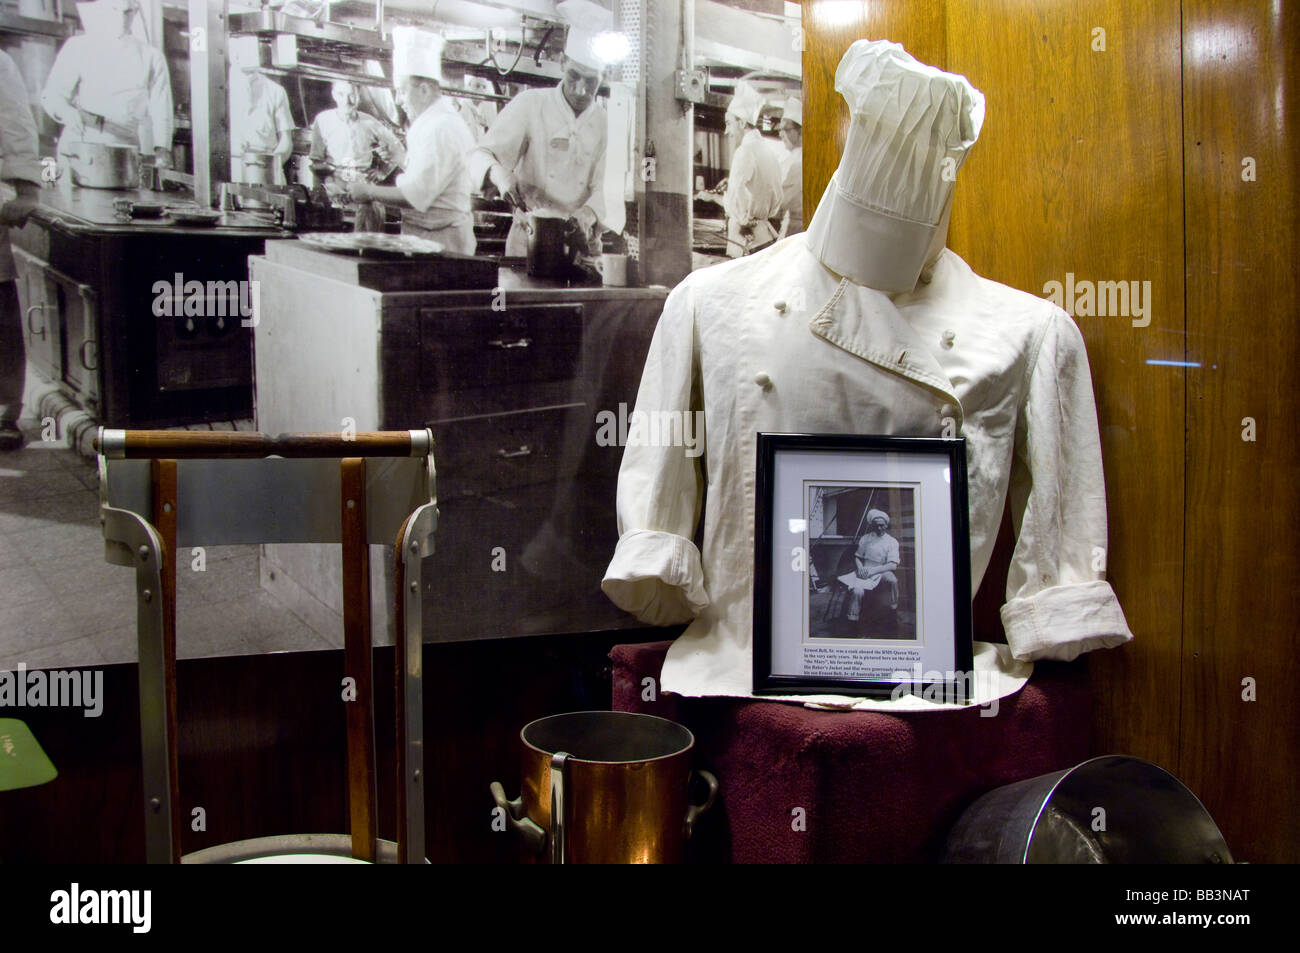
(762, 380)
(947, 410)
(947, 338)
(779, 305)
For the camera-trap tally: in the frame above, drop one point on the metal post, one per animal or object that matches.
(209, 98)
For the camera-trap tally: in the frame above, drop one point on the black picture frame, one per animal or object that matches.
(841, 655)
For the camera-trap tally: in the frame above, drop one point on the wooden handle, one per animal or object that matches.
(190, 444)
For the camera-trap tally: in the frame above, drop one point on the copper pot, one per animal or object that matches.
(605, 787)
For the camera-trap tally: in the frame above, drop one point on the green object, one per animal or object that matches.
(22, 762)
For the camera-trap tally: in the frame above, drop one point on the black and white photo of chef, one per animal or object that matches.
(862, 557)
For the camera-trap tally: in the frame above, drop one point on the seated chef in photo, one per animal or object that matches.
(545, 153)
(344, 144)
(433, 190)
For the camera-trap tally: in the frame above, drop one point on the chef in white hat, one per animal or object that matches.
(545, 153)
(108, 85)
(433, 190)
(875, 560)
(791, 130)
(753, 194)
(261, 123)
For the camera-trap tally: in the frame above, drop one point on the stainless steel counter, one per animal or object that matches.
(91, 210)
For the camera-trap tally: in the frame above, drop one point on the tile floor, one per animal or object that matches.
(62, 605)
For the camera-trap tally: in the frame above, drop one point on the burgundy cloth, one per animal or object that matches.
(873, 787)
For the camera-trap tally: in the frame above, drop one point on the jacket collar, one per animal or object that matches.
(865, 323)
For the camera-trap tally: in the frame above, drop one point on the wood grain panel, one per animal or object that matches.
(1078, 170)
(1240, 81)
(830, 27)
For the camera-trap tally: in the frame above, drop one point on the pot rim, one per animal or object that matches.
(690, 736)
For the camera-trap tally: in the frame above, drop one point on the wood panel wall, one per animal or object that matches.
(1123, 163)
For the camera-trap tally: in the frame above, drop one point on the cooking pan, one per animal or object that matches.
(103, 165)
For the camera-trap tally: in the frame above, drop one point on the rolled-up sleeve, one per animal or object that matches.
(656, 573)
(1059, 604)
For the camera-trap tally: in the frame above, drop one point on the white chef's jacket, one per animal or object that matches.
(18, 145)
(436, 180)
(557, 157)
(258, 115)
(122, 79)
(792, 188)
(753, 193)
(776, 342)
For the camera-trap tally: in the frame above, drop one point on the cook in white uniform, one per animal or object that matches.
(871, 349)
(261, 123)
(108, 85)
(753, 195)
(792, 164)
(433, 190)
(21, 169)
(545, 153)
(347, 140)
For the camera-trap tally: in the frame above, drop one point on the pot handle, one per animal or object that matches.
(559, 765)
(695, 810)
(530, 833)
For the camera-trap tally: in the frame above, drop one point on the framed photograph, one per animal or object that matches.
(861, 566)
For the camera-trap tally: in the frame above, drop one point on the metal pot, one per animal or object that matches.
(103, 165)
(551, 249)
(605, 787)
(1109, 810)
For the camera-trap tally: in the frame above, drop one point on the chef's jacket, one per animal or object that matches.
(776, 342)
(557, 157)
(753, 194)
(122, 79)
(18, 146)
(436, 179)
(259, 113)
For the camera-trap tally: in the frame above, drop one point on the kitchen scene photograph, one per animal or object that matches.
(304, 217)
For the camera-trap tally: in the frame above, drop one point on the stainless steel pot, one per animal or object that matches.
(1110, 810)
(551, 248)
(605, 787)
(103, 165)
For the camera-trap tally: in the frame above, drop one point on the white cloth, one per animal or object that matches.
(122, 79)
(259, 113)
(417, 52)
(911, 128)
(1015, 382)
(586, 22)
(792, 188)
(436, 179)
(18, 145)
(557, 157)
(753, 195)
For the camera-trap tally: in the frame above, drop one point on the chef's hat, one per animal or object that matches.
(911, 128)
(417, 52)
(104, 17)
(747, 104)
(792, 109)
(242, 52)
(873, 515)
(591, 40)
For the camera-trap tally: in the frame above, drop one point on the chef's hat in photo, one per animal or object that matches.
(591, 40)
(873, 515)
(911, 128)
(792, 109)
(746, 104)
(242, 52)
(417, 52)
